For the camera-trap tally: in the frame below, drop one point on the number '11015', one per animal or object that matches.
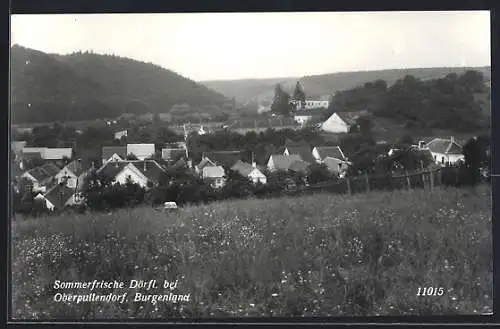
(430, 291)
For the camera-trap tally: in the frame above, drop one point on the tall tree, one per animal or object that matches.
(299, 95)
(281, 101)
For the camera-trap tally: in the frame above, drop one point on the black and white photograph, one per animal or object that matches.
(250, 165)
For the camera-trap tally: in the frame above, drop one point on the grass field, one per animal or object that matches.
(320, 255)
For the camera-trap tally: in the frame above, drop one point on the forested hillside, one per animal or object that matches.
(84, 86)
(456, 102)
(250, 90)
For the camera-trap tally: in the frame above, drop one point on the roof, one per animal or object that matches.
(149, 168)
(299, 166)
(213, 172)
(57, 153)
(351, 117)
(282, 161)
(44, 173)
(332, 163)
(78, 167)
(330, 151)
(203, 163)
(108, 151)
(291, 143)
(169, 153)
(224, 158)
(244, 168)
(33, 150)
(444, 146)
(141, 151)
(59, 195)
(304, 152)
(111, 169)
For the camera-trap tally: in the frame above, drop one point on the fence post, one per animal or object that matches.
(408, 182)
(367, 182)
(349, 191)
(431, 176)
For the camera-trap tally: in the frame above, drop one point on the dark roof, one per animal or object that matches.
(111, 169)
(78, 167)
(444, 146)
(244, 168)
(108, 151)
(149, 168)
(330, 151)
(169, 153)
(44, 173)
(292, 143)
(203, 163)
(282, 161)
(304, 152)
(351, 117)
(59, 195)
(224, 158)
(299, 166)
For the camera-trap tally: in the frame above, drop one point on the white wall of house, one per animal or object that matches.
(442, 159)
(270, 163)
(114, 157)
(136, 176)
(257, 176)
(48, 204)
(311, 104)
(334, 124)
(302, 119)
(120, 134)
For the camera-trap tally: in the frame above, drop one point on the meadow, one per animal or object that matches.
(316, 255)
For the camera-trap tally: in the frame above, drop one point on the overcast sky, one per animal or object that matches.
(207, 46)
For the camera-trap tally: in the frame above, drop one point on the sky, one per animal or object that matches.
(223, 46)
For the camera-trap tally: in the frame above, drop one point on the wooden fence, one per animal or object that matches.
(427, 179)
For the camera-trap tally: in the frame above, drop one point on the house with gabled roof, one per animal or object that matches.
(299, 166)
(303, 151)
(223, 158)
(60, 196)
(321, 152)
(113, 153)
(444, 151)
(281, 161)
(250, 170)
(170, 154)
(42, 177)
(145, 173)
(205, 162)
(342, 122)
(120, 134)
(141, 151)
(215, 175)
(74, 174)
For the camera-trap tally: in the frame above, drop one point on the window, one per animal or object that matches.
(442, 159)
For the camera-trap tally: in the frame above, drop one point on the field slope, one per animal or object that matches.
(321, 255)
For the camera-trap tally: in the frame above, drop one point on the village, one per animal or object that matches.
(59, 178)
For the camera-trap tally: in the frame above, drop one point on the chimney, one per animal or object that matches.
(145, 166)
(254, 164)
(452, 139)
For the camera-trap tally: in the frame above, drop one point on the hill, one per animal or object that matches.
(84, 86)
(252, 90)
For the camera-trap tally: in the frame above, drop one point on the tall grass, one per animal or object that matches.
(320, 255)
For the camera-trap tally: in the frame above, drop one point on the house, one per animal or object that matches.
(320, 153)
(141, 151)
(169, 154)
(281, 161)
(250, 171)
(120, 134)
(224, 158)
(205, 162)
(299, 166)
(113, 153)
(60, 196)
(215, 175)
(73, 174)
(142, 172)
(310, 104)
(58, 153)
(303, 150)
(444, 151)
(342, 122)
(336, 165)
(42, 177)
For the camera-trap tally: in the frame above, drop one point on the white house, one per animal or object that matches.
(282, 161)
(139, 172)
(444, 151)
(60, 196)
(215, 175)
(250, 171)
(310, 104)
(342, 122)
(141, 151)
(73, 174)
(120, 134)
(113, 153)
(321, 152)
